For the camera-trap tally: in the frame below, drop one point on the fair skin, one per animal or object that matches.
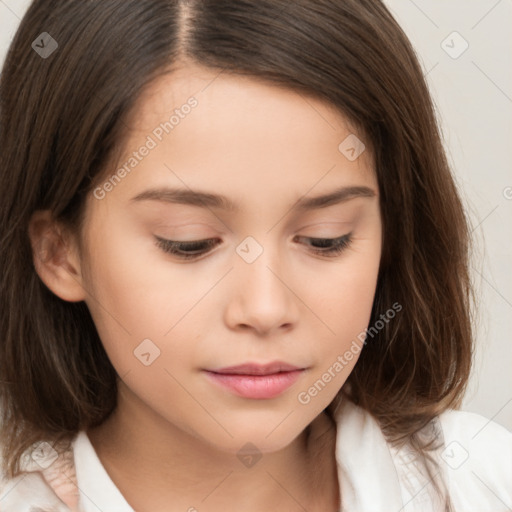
(174, 436)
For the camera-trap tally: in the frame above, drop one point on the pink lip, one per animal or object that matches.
(256, 381)
(257, 369)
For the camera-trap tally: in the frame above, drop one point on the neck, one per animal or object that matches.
(154, 463)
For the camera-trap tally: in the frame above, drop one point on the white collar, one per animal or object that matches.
(372, 475)
(97, 491)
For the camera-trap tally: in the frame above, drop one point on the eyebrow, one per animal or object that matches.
(216, 201)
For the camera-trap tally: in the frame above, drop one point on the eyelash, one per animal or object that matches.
(175, 248)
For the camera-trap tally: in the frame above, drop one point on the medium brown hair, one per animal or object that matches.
(63, 118)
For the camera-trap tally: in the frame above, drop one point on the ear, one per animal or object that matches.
(56, 258)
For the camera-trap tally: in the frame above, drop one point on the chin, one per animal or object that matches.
(266, 436)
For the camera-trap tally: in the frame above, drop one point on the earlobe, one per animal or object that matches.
(55, 257)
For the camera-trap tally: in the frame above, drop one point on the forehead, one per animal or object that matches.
(238, 135)
(231, 107)
(220, 88)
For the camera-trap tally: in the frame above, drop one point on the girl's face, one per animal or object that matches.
(260, 289)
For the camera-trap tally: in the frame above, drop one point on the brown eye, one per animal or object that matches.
(329, 246)
(196, 248)
(186, 250)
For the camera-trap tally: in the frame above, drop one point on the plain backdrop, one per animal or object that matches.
(465, 48)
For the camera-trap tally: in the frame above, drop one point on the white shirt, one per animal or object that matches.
(475, 461)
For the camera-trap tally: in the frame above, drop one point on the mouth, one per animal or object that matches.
(256, 381)
(257, 369)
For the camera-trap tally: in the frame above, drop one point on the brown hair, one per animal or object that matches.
(62, 119)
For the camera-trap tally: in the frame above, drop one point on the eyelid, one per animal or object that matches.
(185, 243)
(173, 247)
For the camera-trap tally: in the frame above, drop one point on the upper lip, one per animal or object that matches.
(257, 369)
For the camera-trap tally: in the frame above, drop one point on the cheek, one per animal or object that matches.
(343, 300)
(343, 293)
(128, 301)
(145, 309)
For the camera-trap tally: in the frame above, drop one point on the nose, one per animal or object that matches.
(262, 296)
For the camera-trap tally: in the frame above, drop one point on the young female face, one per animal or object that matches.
(262, 291)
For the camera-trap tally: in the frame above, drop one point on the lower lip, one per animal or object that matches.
(256, 386)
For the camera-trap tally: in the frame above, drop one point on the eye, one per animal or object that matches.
(186, 250)
(194, 249)
(330, 247)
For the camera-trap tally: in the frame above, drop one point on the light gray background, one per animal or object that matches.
(473, 95)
